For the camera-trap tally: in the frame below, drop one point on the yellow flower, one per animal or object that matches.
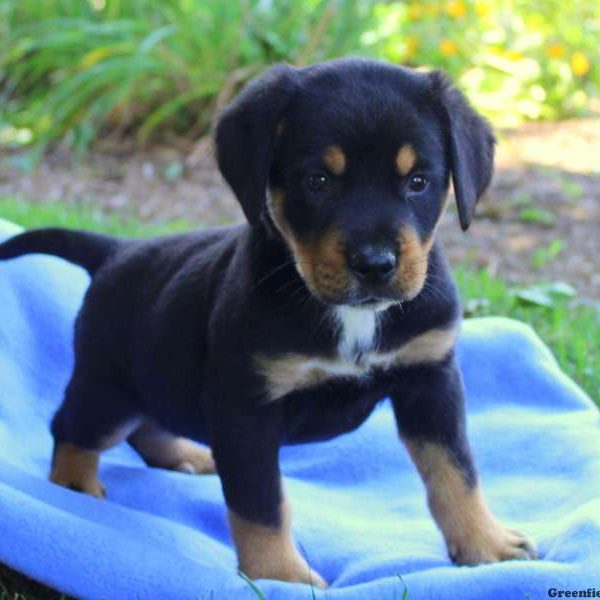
(513, 55)
(580, 63)
(456, 9)
(448, 47)
(482, 9)
(555, 50)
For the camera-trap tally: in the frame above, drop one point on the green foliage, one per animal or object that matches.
(546, 295)
(546, 254)
(567, 324)
(538, 215)
(75, 67)
(516, 59)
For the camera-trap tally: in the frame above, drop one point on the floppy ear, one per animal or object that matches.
(471, 146)
(245, 136)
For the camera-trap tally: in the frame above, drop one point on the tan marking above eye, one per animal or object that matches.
(335, 159)
(406, 159)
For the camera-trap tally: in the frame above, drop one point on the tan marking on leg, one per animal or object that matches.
(161, 448)
(473, 534)
(335, 159)
(77, 468)
(269, 552)
(405, 159)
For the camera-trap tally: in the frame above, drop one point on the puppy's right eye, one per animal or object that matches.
(318, 182)
(417, 183)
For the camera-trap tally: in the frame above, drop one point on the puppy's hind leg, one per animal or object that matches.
(160, 448)
(93, 418)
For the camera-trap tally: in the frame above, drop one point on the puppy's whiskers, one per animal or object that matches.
(273, 272)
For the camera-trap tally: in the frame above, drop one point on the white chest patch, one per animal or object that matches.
(358, 332)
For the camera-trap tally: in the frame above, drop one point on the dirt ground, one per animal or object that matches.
(539, 222)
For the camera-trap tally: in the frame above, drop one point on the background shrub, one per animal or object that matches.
(75, 70)
(516, 59)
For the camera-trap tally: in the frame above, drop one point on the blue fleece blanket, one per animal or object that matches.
(359, 511)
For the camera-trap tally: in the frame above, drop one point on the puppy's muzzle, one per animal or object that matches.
(373, 265)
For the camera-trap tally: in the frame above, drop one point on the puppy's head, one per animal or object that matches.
(351, 161)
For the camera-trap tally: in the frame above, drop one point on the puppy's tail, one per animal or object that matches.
(88, 250)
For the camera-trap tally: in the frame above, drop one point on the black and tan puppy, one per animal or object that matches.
(291, 328)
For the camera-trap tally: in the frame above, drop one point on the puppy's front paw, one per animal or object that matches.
(490, 542)
(270, 552)
(89, 485)
(76, 468)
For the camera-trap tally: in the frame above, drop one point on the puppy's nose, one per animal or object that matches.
(373, 264)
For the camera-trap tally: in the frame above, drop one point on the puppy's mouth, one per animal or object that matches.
(338, 286)
(374, 302)
(354, 294)
(368, 300)
(324, 266)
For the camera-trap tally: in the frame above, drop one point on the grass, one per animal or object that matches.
(569, 326)
(80, 216)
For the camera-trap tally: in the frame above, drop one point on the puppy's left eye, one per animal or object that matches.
(417, 183)
(318, 182)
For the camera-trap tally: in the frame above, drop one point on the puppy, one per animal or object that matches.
(291, 328)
